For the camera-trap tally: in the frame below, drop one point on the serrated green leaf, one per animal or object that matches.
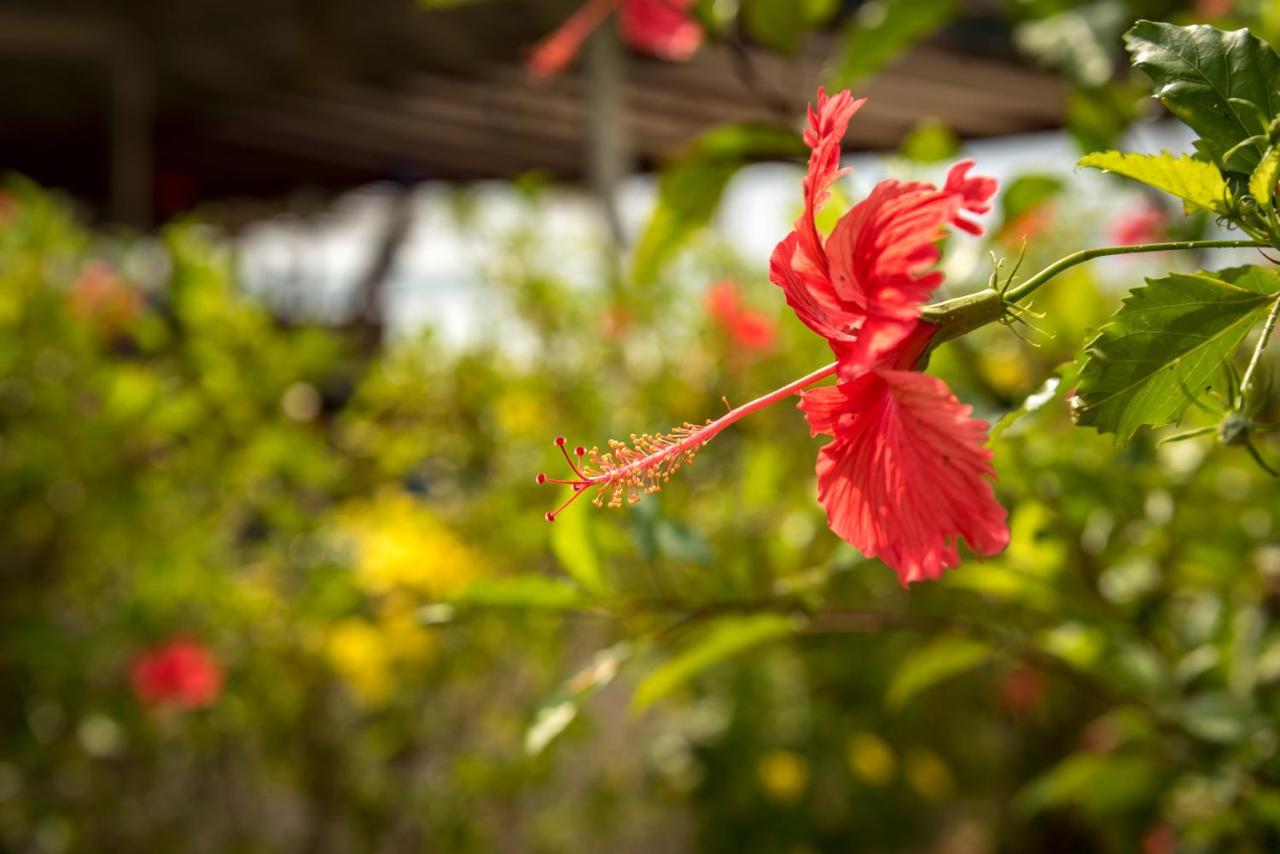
(1262, 183)
(935, 663)
(1197, 183)
(882, 30)
(725, 638)
(1202, 74)
(690, 188)
(1165, 344)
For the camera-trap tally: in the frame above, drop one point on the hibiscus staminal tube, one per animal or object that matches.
(630, 472)
(906, 474)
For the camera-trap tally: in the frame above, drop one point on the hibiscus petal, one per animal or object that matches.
(809, 293)
(823, 407)
(554, 53)
(661, 28)
(828, 123)
(976, 191)
(907, 474)
(881, 252)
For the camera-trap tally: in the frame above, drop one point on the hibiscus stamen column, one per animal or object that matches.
(632, 471)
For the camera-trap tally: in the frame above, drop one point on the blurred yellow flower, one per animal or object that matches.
(871, 758)
(783, 775)
(403, 557)
(400, 546)
(371, 656)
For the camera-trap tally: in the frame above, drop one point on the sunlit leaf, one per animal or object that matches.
(723, 639)
(1165, 345)
(1221, 84)
(1197, 183)
(1262, 183)
(937, 662)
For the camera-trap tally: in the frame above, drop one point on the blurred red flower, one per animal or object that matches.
(105, 298)
(907, 472)
(1021, 691)
(181, 673)
(750, 330)
(1146, 223)
(661, 28)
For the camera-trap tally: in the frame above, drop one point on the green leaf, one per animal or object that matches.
(1262, 183)
(1197, 183)
(574, 547)
(1217, 716)
(1097, 116)
(1026, 192)
(1101, 785)
(930, 141)
(1203, 74)
(935, 663)
(690, 188)
(781, 24)
(1165, 344)
(522, 592)
(883, 29)
(725, 638)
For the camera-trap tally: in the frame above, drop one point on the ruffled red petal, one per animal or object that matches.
(881, 253)
(907, 474)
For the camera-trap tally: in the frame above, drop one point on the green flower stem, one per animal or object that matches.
(1030, 285)
(964, 314)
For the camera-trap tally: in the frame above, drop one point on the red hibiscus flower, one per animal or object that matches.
(906, 473)
(661, 28)
(751, 331)
(180, 673)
